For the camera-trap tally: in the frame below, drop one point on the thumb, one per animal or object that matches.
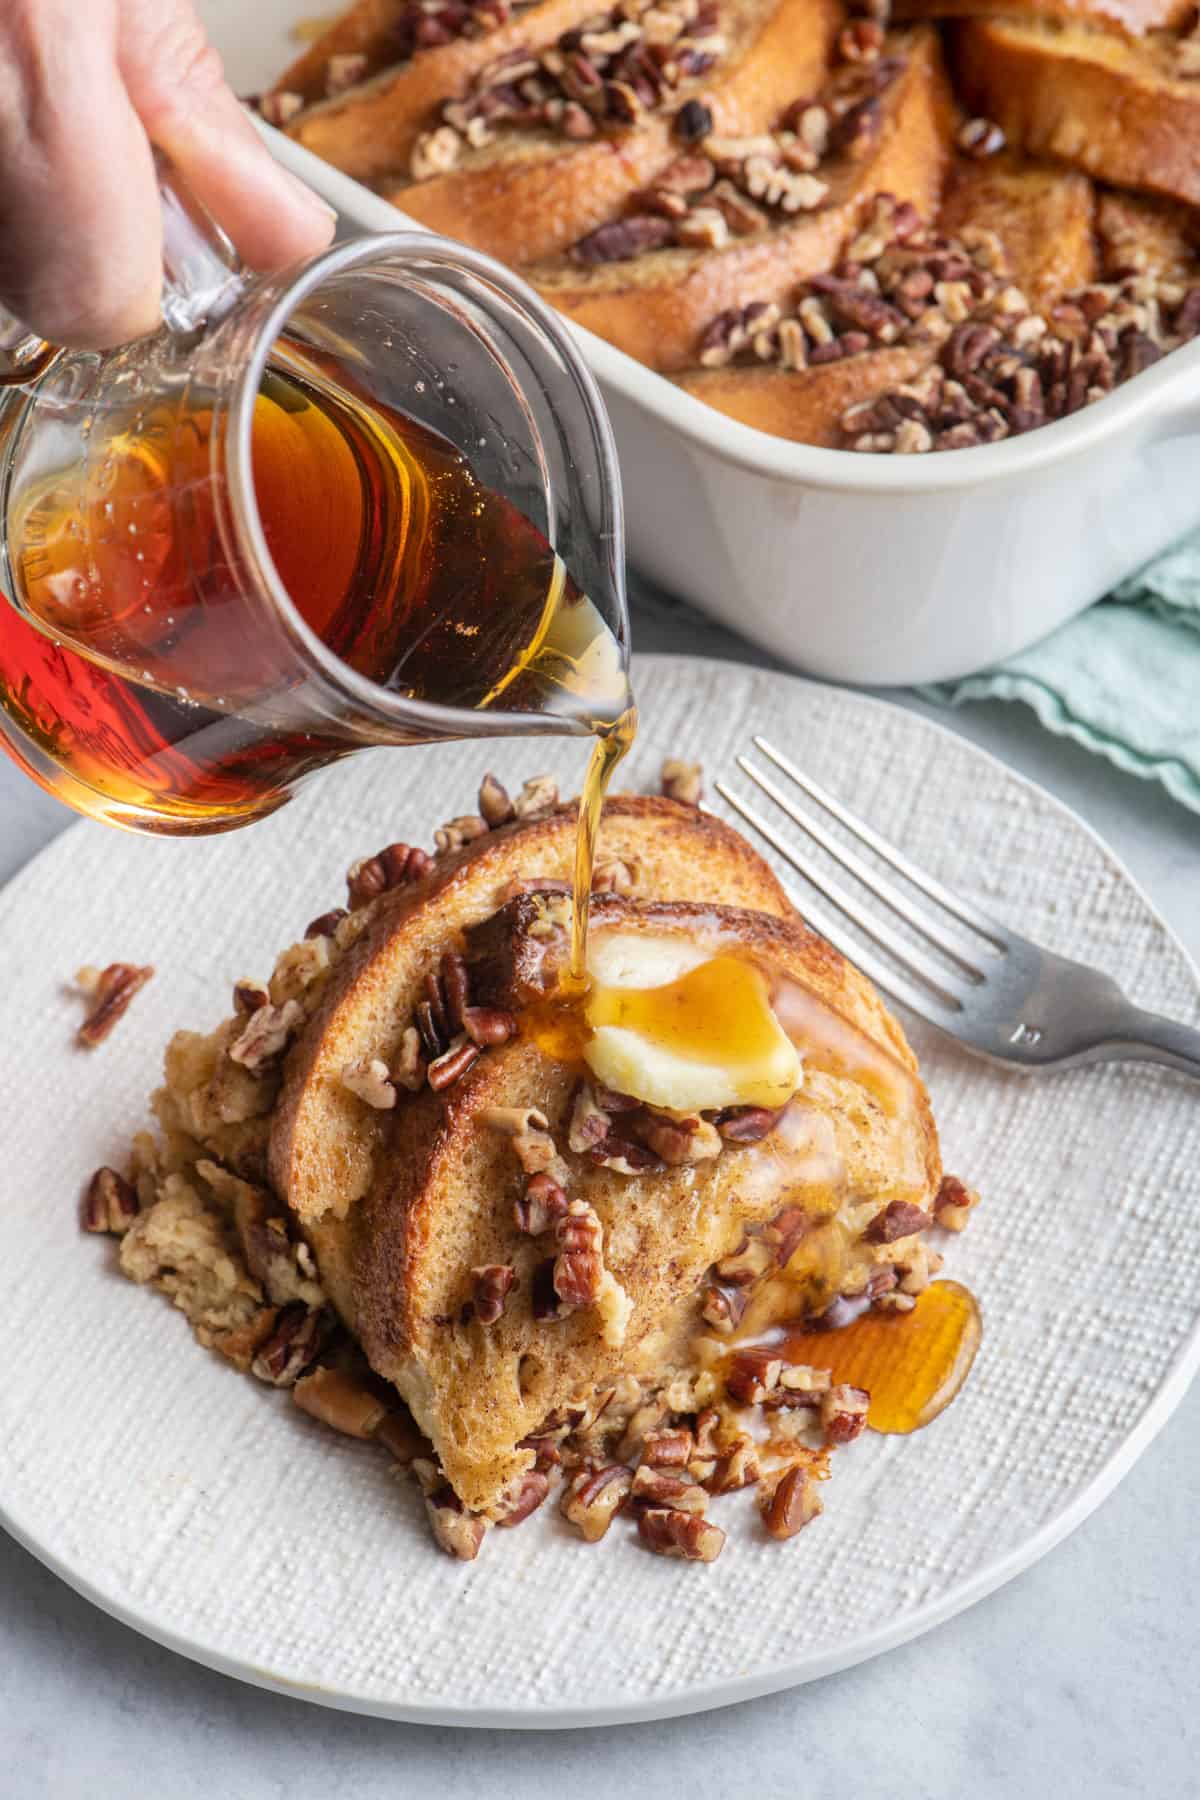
(177, 86)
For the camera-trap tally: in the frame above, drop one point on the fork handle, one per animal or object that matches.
(1148, 1037)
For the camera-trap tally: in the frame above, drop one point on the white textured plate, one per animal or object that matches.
(202, 1509)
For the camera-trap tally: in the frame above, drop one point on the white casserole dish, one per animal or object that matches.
(880, 569)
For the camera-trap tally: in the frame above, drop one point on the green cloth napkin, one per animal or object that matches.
(1123, 678)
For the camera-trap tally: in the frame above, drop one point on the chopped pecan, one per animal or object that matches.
(452, 1065)
(799, 1387)
(326, 923)
(668, 1447)
(293, 1345)
(753, 1257)
(613, 876)
(435, 153)
(661, 1487)
(265, 1034)
(110, 1203)
(109, 993)
(624, 1157)
(367, 1077)
(455, 1530)
(790, 1502)
(454, 985)
(747, 1124)
(980, 138)
(860, 41)
(953, 1204)
(538, 796)
(590, 1122)
(682, 781)
(533, 1488)
(579, 1266)
(543, 1203)
(488, 1025)
(593, 1497)
(408, 1067)
(693, 122)
(844, 1412)
(669, 1532)
(344, 71)
(623, 238)
(248, 996)
(722, 1307)
(736, 1467)
(494, 803)
(898, 1219)
(786, 1231)
(680, 1142)
(280, 108)
(341, 1400)
(752, 1374)
(456, 833)
(493, 1284)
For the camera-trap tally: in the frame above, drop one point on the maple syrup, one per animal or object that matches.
(912, 1364)
(411, 572)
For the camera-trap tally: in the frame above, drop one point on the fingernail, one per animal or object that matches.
(312, 201)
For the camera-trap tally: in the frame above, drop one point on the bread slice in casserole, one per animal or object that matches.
(1043, 214)
(1131, 17)
(1126, 112)
(656, 305)
(531, 191)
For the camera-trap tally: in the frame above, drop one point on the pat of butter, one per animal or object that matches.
(679, 1028)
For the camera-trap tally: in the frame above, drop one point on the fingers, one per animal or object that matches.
(177, 86)
(80, 243)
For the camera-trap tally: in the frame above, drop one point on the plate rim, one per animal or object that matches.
(794, 1673)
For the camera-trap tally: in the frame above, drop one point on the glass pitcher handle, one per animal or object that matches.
(202, 280)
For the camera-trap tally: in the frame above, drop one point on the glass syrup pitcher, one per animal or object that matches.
(370, 500)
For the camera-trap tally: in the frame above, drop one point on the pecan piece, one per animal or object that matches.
(493, 1284)
(452, 1065)
(543, 1203)
(752, 1374)
(455, 1530)
(408, 1069)
(265, 1034)
(722, 1307)
(368, 1079)
(110, 1203)
(669, 1532)
(494, 803)
(747, 1124)
(488, 1025)
(623, 238)
(534, 1486)
(693, 122)
(659, 1487)
(455, 834)
(682, 781)
(538, 796)
(248, 996)
(109, 993)
(736, 1467)
(340, 1400)
(668, 1447)
(753, 1257)
(790, 1503)
(898, 1219)
(680, 1142)
(593, 1497)
(454, 988)
(293, 1345)
(579, 1266)
(844, 1412)
(952, 1206)
(326, 923)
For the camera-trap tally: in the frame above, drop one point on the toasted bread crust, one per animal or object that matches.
(529, 197)
(370, 131)
(442, 1204)
(1095, 100)
(1132, 17)
(1043, 215)
(805, 405)
(368, 29)
(656, 306)
(324, 1140)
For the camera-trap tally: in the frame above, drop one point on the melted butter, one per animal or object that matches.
(912, 1364)
(708, 1038)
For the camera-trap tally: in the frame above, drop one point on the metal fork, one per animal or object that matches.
(996, 992)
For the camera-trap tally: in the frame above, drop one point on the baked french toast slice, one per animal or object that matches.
(1139, 234)
(663, 1199)
(1032, 222)
(1132, 17)
(1126, 112)
(656, 305)
(370, 130)
(531, 191)
(324, 1139)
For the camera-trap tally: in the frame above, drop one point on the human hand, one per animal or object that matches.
(85, 91)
